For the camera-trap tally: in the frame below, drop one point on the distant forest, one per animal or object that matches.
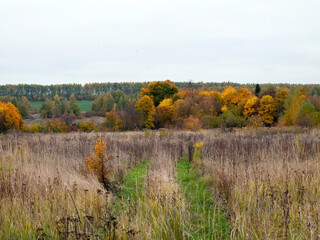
(90, 91)
(162, 104)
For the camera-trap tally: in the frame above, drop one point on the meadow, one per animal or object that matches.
(216, 184)
(84, 105)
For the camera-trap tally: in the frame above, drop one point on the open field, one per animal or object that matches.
(84, 105)
(245, 184)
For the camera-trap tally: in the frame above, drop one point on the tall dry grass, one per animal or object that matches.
(267, 180)
(43, 192)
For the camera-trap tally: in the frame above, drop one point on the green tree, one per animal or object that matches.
(257, 90)
(103, 104)
(57, 106)
(46, 109)
(24, 106)
(159, 90)
(74, 108)
(72, 99)
(307, 115)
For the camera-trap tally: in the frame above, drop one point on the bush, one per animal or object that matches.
(307, 115)
(192, 123)
(209, 121)
(55, 126)
(231, 119)
(87, 126)
(255, 121)
(34, 128)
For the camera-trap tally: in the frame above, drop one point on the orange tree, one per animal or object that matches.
(96, 163)
(159, 90)
(192, 123)
(9, 117)
(146, 108)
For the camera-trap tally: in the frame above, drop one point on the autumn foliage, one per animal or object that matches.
(192, 123)
(159, 90)
(146, 108)
(162, 105)
(10, 117)
(166, 113)
(267, 110)
(56, 126)
(97, 163)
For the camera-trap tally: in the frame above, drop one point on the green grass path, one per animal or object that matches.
(133, 183)
(208, 221)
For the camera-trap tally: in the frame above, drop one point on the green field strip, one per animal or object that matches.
(207, 220)
(84, 105)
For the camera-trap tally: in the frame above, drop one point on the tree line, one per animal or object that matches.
(162, 104)
(90, 91)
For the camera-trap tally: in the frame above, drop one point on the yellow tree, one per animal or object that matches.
(146, 108)
(241, 97)
(293, 105)
(166, 113)
(10, 117)
(267, 110)
(249, 107)
(228, 95)
(236, 98)
(214, 95)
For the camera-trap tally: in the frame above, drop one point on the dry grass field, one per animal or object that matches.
(244, 184)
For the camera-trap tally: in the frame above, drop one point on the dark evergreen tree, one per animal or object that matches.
(257, 90)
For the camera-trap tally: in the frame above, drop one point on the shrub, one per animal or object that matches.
(55, 126)
(87, 126)
(230, 118)
(192, 123)
(33, 128)
(209, 121)
(255, 121)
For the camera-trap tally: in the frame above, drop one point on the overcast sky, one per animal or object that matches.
(81, 41)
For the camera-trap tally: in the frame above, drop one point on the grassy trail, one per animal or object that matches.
(133, 183)
(208, 221)
(200, 219)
